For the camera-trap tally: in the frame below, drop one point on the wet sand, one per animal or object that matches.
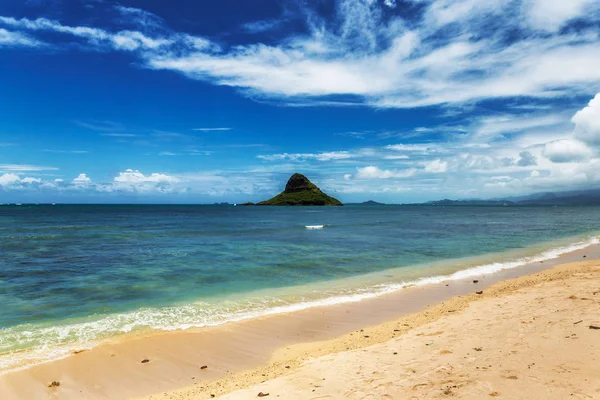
(528, 338)
(242, 354)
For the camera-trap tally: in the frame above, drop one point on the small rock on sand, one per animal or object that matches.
(204, 367)
(261, 394)
(475, 281)
(145, 361)
(480, 292)
(595, 325)
(54, 384)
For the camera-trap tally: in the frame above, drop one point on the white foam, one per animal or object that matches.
(314, 226)
(55, 342)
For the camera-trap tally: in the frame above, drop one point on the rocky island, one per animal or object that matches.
(299, 191)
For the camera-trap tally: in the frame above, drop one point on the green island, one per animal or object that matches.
(299, 191)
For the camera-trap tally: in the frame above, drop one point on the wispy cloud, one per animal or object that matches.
(454, 52)
(212, 129)
(66, 151)
(262, 25)
(17, 39)
(103, 126)
(326, 156)
(25, 167)
(121, 135)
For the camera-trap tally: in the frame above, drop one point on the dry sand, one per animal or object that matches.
(520, 339)
(526, 338)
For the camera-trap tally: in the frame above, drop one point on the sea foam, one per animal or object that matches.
(49, 343)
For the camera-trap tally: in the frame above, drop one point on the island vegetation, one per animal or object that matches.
(300, 191)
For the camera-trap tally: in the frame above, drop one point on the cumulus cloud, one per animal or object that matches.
(567, 150)
(526, 159)
(587, 122)
(14, 181)
(81, 179)
(436, 166)
(134, 180)
(9, 179)
(135, 176)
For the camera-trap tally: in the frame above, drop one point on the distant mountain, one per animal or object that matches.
(581, 197)
(471, 202)
(372, 203)
(300, 191)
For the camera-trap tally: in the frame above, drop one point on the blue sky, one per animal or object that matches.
(198, 101)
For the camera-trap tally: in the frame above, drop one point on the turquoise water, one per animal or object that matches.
(73, 275)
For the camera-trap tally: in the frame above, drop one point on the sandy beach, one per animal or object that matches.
(522, 337)
(528, 338)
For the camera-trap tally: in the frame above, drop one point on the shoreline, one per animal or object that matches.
(532, 337)
(364, 288)
(114, 370)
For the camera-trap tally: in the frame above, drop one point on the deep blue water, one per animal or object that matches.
(96, 270)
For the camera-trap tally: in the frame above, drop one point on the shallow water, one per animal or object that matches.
(73, 275)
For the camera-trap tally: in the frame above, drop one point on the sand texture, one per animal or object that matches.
(523, 338)
(526, 338)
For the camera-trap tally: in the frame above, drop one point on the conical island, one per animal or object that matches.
(299, 191)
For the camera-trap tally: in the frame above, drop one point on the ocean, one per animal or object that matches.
(72, 276)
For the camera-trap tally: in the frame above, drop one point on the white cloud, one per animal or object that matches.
(10, 39)
(453, 52)
(9, 179)
(131, 176)
(436, 166)
(25, 167)
(551, 15)
(123, 40)
(31, 180)
(121, 135)
(587, 122)
(408, 147)
(567, 150)
(490, 127)
(211, 129)
(372, 172)
(81, 179)
(326, 156)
